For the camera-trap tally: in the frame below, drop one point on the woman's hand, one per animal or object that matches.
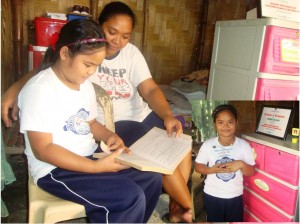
(172, 124)
(9, 101)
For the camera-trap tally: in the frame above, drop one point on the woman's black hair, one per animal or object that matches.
(74, 35)
(116, 8)
(224, 107)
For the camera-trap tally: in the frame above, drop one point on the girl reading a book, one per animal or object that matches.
(138, 102)
(224, 159)
(58, 113)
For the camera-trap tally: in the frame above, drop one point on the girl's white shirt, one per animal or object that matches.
(224, 185)
(47, 105)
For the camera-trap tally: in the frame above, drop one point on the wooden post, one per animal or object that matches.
(18, 38)
(94, 9)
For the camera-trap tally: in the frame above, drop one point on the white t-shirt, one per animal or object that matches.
(224, 185)
(120, 77)
(47, 105)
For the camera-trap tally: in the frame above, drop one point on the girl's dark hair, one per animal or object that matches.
(116, 8)
(74, 35)
(224, 107)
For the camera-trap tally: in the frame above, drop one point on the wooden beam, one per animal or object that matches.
(18, 38)
(94, 9)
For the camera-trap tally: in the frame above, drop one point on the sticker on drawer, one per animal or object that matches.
(261, 184)
(290, 50)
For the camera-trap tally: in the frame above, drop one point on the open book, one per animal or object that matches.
(155, 151)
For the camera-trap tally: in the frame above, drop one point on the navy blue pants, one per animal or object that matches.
(131, 131)
(127, 196)
(223, 210)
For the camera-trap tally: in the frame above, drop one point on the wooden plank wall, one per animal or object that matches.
(7, 60)
(167, 31)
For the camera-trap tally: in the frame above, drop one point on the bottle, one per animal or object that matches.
(196, 134)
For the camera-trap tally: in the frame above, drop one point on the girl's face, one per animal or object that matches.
(118, 30)
(75, 70)
(225, 124)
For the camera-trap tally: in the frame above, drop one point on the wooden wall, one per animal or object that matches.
(168, 32)
(7, 59)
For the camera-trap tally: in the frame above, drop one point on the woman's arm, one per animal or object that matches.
(45, 150)
(10, 99)
(153, 95)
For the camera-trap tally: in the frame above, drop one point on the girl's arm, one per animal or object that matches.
(203, 169)
(101, 133)
(153, 95)
(10, 99)
(45, 150)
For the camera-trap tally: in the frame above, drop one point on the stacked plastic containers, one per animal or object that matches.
(280, 55)
(271, 194)
(255, 59)
(45, 30)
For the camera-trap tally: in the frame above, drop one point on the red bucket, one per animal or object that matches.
(45, 28)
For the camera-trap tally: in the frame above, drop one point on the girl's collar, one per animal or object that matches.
(226, 145)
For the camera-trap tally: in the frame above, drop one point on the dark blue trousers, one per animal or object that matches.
(131, 131)
(223, 210)
(127, 196)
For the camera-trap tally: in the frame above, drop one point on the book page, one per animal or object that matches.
(159, 148)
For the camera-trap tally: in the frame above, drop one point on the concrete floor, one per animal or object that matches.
(15, 197)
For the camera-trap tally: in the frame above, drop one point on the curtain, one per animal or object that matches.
(201, 114)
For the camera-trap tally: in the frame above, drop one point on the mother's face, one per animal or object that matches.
(118, 30)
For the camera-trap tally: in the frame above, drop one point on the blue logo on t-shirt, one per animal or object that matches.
(77, 123)
(225, 176)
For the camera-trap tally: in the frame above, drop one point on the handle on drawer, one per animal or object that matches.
(261, 184)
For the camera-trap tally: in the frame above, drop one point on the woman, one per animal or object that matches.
(125, 76)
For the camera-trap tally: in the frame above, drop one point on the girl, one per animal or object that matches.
(57, 112)
(125, 75)
(224, 159)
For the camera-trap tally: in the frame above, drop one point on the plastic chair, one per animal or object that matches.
(46, 208)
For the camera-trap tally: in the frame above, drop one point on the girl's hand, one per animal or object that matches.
(233, 166)
(114, 142)
(220, 168)
(172, 124)
(109, 164)
(236, 165)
